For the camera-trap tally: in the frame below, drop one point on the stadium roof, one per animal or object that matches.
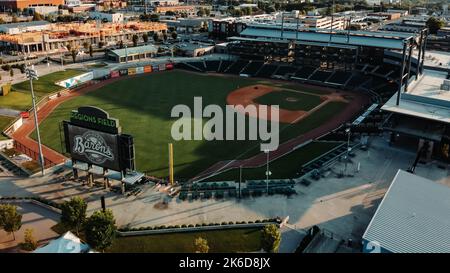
(413, 216)
(389, 40)
(135, 50)
(424, 98)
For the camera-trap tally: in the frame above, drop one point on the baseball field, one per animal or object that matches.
(143, 105)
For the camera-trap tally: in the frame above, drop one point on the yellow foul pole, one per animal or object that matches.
(171, 163)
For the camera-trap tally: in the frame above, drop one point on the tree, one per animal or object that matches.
(37, 17)
(100, 229)
(120, 44)
(135, 39)
(145, 37)
(201, 12)
(154, 17)
(29, 242)
(270, 239)
(174, 35)
(165, 37)
(434, 24)
(69, 47)
(14, 19)
(91, 51)
(10, 219)
(86, 45)
(73, 214)
(11, 72)
(74, 55)
(201, 245)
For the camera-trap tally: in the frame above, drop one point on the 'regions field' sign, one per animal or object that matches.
(94, 118)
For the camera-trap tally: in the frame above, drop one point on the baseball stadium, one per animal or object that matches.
(324, 84)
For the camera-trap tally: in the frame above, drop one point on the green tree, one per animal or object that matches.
(174, 34)
(14, 19)
(10, 219)
(73, 214)
(100, 229)
(135, 39)
(69, 47)
(154, 17)
(201, 245)
(201, 12)
(120, 44)
(86, 45)
(11, 72)
(91, 51)
(37, 17)
(145, 37)
(29, 242)
(434, 24)
(270, 239)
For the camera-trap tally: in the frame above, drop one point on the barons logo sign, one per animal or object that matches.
(93, 146)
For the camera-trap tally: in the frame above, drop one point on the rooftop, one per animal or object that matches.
(24, 24)
(389, 40)
(424, 99)
(413, 216)
(134, 50)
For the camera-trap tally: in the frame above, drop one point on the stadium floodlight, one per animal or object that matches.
(31, 74)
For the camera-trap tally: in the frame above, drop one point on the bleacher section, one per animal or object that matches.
(236, 67)
(187, 66)
(224, 66)
(304, 72)
(212, 66)
(266, 71)
(285, 71)
(320, 76)
(252, 68)
(340, 77)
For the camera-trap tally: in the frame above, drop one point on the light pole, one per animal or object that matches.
(348, 149)
(267, 171)
(32, 74)
(240, 180)
(126, 53)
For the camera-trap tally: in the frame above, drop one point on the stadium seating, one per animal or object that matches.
(320, 76)
(199, 65)
(224, 66)
(236, 67)
(284, 71)
(304, 72)
(212, 66)
(187, 67)
(266, 71)
(340, 77)
(252, 68)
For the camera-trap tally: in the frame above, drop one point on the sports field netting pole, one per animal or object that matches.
(171, 163)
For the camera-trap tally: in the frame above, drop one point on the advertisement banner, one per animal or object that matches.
(115, 74)
(155, 68)
(169, 66)
(131, 70)
(147, 69)
(162, 67)
(77, 80)
(94, 147)
(123, 72)
(139, 70)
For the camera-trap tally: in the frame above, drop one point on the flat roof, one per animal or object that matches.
(413, 216)
(134, 50)
(424, 99)
(24, 24)
(376, 39)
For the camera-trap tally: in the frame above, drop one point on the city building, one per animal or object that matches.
(16, 28)
(194, 49)
(124, 55)
(58, 36)
(413, 217)
(113, 17)
(23, 4)
(190, 10)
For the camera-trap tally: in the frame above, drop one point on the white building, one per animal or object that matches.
(17, 28)
(104, 16)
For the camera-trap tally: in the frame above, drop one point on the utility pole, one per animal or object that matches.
(267, 171)
(32, 74)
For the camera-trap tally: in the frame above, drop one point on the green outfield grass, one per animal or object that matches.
(20, 96)
(143, 106)
(285, 99)
(219, 241)
(285, 167)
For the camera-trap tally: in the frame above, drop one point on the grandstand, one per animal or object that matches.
(252, 68)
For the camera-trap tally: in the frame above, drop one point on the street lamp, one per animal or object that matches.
(32, 74)
(267, 171)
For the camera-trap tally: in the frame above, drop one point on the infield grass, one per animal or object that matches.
(143, 106)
